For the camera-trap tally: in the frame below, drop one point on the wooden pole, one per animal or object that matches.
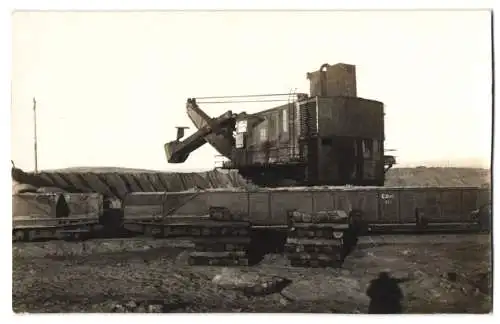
(35, 136)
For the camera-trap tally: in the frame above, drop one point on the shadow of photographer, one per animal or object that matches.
(385, 294)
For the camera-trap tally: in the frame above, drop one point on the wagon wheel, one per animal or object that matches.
(152, 231)
(19, 235)
(158, 232)
(31, 235)
(76, 236)
(67, 237)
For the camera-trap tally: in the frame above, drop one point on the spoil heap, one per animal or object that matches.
(119, 184)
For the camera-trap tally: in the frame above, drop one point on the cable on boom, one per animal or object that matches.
(241, 101)
(246, 96)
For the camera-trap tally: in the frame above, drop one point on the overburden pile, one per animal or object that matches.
(118, 183)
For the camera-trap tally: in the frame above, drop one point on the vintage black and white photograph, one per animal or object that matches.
(263, 161)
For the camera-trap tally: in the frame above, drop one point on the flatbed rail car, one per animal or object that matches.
(378, 209)
(55, 215)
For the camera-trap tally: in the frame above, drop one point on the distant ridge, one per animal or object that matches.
(439, 177)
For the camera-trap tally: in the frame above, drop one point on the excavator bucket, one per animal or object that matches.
(172, 150)
(217, 131)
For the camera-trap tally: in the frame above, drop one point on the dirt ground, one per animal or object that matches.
(443, 273)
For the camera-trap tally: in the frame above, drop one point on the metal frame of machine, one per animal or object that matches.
(330, 137)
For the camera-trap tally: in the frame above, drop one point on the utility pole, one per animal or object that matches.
(35, 137)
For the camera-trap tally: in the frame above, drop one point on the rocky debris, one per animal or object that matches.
(266, 287)
(49, 249)
(105, 281)
(155, 308)
(452, 276)
(139, 307)
(172, 303)
(251, 284)
(337, 288)
(118, 308)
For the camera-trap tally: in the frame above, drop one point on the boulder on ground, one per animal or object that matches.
(250, 283)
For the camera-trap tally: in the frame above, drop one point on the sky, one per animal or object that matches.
(111, 87)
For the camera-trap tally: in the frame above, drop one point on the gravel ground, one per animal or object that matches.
(445, 274)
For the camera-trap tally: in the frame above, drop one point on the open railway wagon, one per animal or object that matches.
(312, 226)
(375, 209)
(55, 215)
(371, 210)
(225, 233)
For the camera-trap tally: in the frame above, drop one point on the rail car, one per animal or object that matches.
(55, 215)
(378, 209)
(387, 209)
